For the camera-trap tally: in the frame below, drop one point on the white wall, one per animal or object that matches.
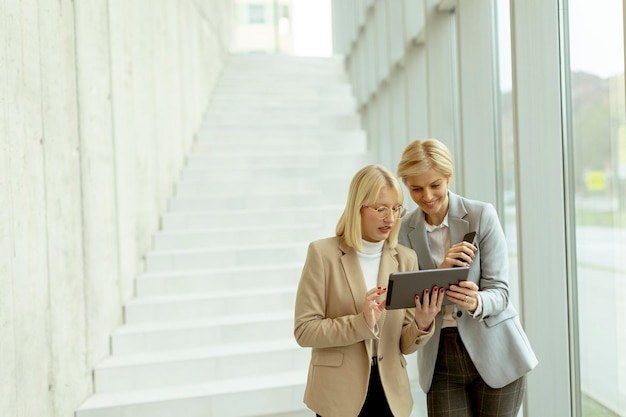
(99, 102)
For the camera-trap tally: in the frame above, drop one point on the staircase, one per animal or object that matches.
(210, 332)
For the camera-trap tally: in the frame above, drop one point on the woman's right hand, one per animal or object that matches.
(428, 307)
(373, 307)
(461, 254)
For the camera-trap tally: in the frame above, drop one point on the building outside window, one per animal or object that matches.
(263, 26)
(256, 14)
(596, 72)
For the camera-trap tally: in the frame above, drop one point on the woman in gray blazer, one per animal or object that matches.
(479, 355)
(357, 365)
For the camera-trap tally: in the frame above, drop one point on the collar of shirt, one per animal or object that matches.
(438, 240)
(431, 227)
(370, 248)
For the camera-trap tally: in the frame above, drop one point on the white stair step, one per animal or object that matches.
(273, 200)
(268, 395)
(350, 143)
(330, 161)
(315, 71)
(268, 185)
(261, 173)
(154, 337)
(289, 70)
(220, 256)
(307, 140)
(259, 139)
(248, 217)
(218, 279)
(331, 192)
(171, 308)
(290, 89)
(267, 104)
(191, 366)
(271, 63)
(322, 71)
(294, 116)
(332, 121)
(340, 173)
(233, 236)
(215, 185)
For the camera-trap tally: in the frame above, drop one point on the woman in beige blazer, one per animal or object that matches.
(357, 365)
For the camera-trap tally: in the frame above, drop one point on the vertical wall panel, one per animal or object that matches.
(395, 25)
(69, 379)
(442, 82)
(363, 69)
(97, 175)
(384, 128)
(414, 17)
(541, 227)
(372, 54)
(478, 108)
(361, 14)
(126, 150)
(417, 93)
(167, 132)
(398, 117)
(143, 84)
(8, 387)
(383, 62)
(25, 167)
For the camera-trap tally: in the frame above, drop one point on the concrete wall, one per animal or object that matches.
(99, 101)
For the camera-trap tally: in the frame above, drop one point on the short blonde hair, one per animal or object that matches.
(364, 191)
(422, 155)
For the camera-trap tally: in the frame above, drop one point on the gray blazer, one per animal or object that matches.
(494, 338)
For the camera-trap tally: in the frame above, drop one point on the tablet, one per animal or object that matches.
(403, 286)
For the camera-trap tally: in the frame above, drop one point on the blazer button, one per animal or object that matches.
(459, 313)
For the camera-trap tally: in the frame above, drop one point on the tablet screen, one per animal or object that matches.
(403, 286)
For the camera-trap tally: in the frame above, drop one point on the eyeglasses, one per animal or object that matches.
(383, 211)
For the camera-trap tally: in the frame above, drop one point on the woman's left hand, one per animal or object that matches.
(428, 307)
(465, 295)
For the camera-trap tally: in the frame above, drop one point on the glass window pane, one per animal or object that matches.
(599, 158)
(506, 141)
(256, 14)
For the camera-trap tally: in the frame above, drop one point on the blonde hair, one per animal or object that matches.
(422, 155)
(364, 191)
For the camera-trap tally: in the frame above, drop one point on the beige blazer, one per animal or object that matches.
(328, 319)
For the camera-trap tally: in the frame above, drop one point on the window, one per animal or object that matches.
(256, 14)
(599, 156)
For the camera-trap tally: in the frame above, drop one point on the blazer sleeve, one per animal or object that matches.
(413, 338)
(494, 265)
(312, 327)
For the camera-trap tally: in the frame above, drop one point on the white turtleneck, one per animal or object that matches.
(369, 258)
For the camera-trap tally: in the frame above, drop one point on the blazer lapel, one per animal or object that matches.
(419, 240)
(356, 282)
(354, 275)
(388, 264)
(456, 219)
